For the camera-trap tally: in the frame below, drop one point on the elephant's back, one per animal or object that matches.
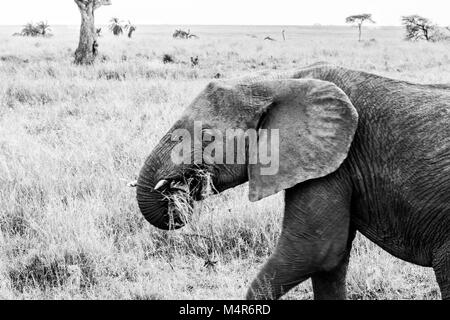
(399, 161)
(402, 151)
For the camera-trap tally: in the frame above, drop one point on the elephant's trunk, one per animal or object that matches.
(152, 203)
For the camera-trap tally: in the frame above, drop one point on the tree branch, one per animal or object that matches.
(99, 3)
(81, 4)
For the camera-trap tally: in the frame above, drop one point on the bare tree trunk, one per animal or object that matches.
(86, 52)
(130, 32)
(359, 28)
(425, 32)
(87, 47)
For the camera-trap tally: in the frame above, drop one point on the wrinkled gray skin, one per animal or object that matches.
(374, 158)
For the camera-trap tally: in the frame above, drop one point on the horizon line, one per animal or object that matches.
(223, 25)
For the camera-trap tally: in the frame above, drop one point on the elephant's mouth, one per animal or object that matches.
(176, 196)
(168, 204)
(179, 195)
(192, 184)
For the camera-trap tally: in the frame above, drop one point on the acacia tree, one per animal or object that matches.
(131, 28)
(418, 27)
(359, 19)
(44, 28)
(30, 30)
(87, 47)
(116, 26)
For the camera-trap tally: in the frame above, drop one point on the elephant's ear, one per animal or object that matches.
(316, 123)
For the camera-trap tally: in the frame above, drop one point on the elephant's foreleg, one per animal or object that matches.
(314, 242)
(331, 285)
(441, 266)
(295, 261)
(277, 277)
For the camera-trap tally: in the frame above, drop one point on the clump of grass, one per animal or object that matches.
(104, 58)
(168, 58)
(111, 75)
(20, 95)
(15, 223)
(13, 59)
(370, 43)
(180, 209)
(45, 273)
(194, 61)
(38, 273)
(180, 197)
(27, 95)
(173, 72)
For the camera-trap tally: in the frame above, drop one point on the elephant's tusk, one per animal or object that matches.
(161, 184)
(132, 184)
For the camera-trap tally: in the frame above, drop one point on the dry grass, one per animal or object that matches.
(72, 137)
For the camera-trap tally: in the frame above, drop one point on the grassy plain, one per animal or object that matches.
(71, 138)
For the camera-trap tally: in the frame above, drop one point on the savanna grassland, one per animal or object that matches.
(71, 137)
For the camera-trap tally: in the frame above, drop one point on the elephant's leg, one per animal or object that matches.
(441, 266)
(314, 239)
(278, 276)
(331, 285)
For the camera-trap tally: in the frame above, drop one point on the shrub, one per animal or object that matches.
(420, 28)
(181, 34)
(41, 29)
(111, 75)
(167, 58)
(19, 94)
(30, 30)
(116, 27)
(45, 272)
(194, 61)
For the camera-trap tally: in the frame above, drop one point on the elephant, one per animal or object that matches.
(357, 152)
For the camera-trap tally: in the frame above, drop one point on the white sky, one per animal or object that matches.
(247, 12)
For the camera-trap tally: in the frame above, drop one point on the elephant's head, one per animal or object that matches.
(307, 126)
